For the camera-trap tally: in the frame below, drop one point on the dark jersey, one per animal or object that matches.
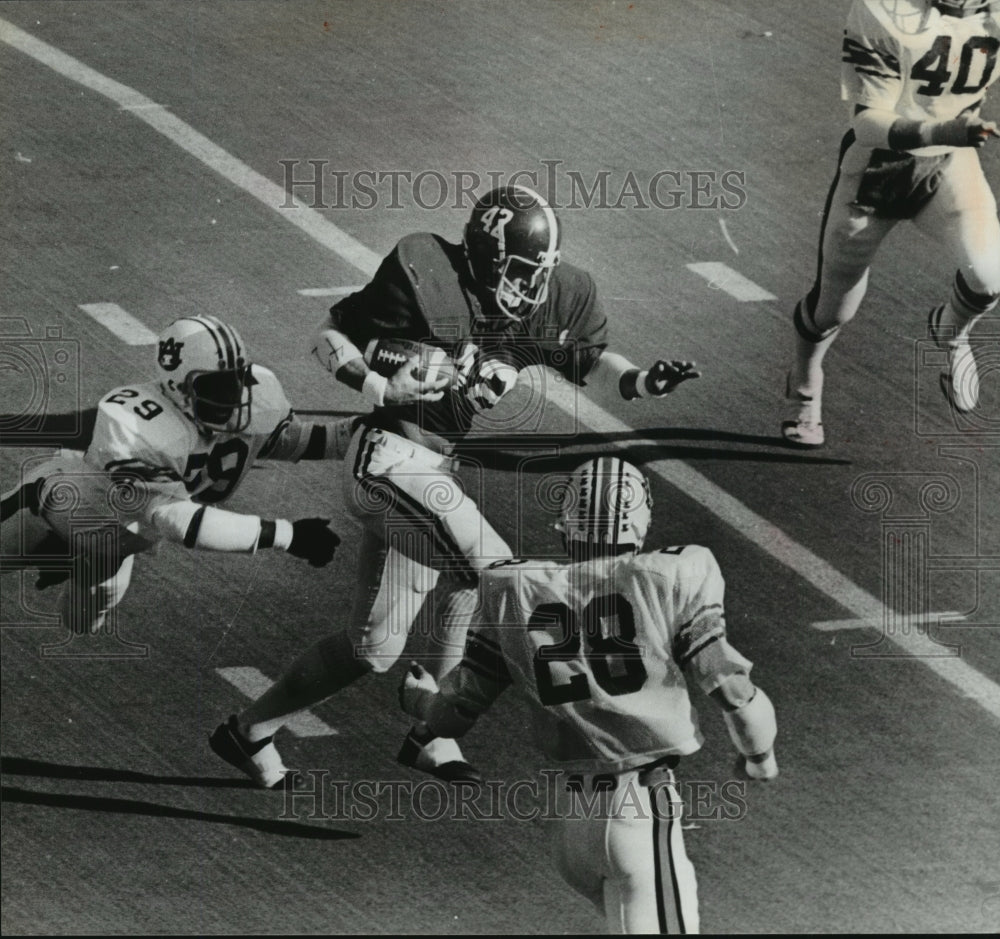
(423, 291)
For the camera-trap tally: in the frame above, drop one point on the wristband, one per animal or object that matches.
(276, 534)
(632, 384)
(374, 388)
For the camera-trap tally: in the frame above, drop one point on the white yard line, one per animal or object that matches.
(253, 683)
(328, 291)
(968, 681)
(722, 277)
(122, 323)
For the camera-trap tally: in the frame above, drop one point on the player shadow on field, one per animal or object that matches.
(513, 453)
(59, 800)
(73, 429)
(21, 766)
(117, 805)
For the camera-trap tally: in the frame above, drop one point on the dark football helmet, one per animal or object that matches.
(203, 368)
(512, 244)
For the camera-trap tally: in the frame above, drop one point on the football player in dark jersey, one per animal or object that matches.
(497, 303)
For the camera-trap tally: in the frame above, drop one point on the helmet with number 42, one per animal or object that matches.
(512, 244)
(203, 369)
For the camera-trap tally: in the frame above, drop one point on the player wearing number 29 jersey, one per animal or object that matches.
(916, 74)
(602, 649)
(162, 454)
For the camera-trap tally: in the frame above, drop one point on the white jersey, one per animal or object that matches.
(907, 57)
(142, 434)
(599, 650)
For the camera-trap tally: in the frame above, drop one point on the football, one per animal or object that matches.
(388, 355)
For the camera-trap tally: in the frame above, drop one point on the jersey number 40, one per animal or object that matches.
(978, 54)
(603, 632)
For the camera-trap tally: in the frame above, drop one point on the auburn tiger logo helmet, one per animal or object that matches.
(512, 244)
(606, 508)
(204, 370)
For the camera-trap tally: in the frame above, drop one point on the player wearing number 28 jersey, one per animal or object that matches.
(915, 73)
(602, 650)
(161, 456)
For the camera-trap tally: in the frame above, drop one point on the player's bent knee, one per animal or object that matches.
(338, 654)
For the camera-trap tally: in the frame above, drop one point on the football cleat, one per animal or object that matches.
(960, 380)
(260, 761)
(805, 429)
(438, 756)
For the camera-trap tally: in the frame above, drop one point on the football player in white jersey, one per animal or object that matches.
(601, 649)
(916, 73)
(499, 302)
(162, 455)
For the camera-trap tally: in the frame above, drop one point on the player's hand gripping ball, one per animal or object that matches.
(429, 363)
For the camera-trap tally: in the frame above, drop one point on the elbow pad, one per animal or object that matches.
(333, 349)
(753, 727)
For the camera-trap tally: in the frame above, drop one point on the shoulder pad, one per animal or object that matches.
(690, 558)
(138, 422)
(269, 405)
(431, 265)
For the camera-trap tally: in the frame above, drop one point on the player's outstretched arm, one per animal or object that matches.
(207, 528)
(296, 440)
(614, 375)
(876, 127)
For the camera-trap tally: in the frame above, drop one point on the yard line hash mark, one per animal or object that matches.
(122, 323)
(965, 679)
(328, 291)
(253, 683)
(722, 277)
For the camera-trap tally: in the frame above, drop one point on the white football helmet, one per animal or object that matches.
(962, 7)
(203, 368)
(606, 508)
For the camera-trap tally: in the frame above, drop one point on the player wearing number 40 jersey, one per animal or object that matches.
(916, 73)
(601, 649)
(161, 456)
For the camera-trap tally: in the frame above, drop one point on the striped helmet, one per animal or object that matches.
(606, 506)
(203, 368)
(512, 244)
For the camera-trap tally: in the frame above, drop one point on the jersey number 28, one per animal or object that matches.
(604, 633)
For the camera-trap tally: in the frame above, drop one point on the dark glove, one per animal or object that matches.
(663, 377)
(313, 540)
